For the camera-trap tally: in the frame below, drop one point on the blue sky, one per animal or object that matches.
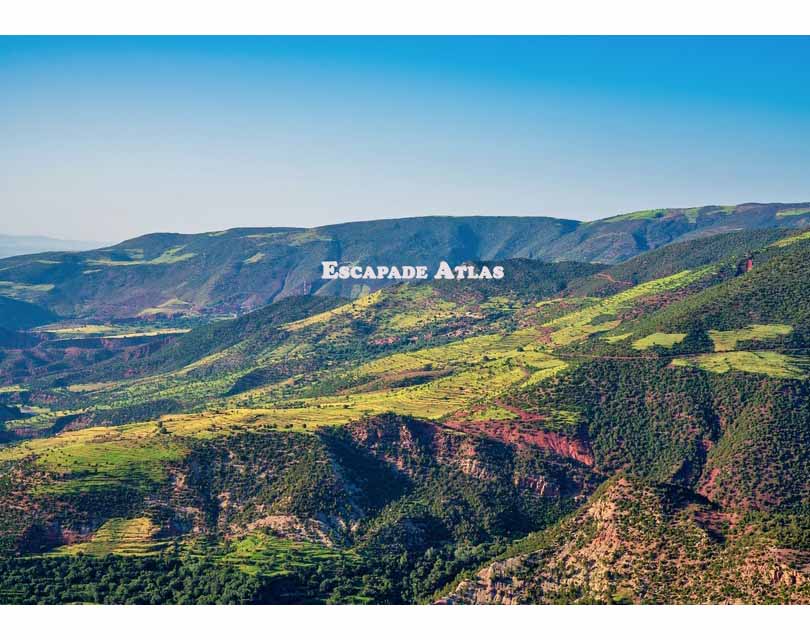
(107, 138)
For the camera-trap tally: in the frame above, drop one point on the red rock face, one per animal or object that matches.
(510, 432)
(404, 443)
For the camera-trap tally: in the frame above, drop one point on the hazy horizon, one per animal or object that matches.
(111, 138)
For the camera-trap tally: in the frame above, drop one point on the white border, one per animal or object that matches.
(370, 622)
(156, 17)
(401, 17)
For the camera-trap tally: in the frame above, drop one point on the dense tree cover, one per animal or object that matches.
(16, 340)
(410, 474)
(639, 414)
(740, 438)
(120, 580)
(176, 577)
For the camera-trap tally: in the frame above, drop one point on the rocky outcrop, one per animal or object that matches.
(641, 543)
(293, 528)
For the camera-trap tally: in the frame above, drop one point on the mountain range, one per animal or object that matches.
(623, 418)
(234, 271)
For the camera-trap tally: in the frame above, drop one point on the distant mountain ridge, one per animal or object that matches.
(12, 245)
(236, 270)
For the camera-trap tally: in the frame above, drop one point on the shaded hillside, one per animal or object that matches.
(16, 314)
(617, 239)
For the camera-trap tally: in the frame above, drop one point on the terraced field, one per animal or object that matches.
(23, 291)
(431, 400)
(118, 536)
(659, 340)
(602, 315)
(769, 363)
(271, 556)
(353, 309)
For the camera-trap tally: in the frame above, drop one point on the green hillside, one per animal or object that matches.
(575, 432)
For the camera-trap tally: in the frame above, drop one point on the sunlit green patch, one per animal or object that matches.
(147, 333)
(172, 307)
(545, 303)
(786, 242)
(666, 340)
(91, 386)
(646, 214)
(135, 537)
(38, 419)
(12, 388)
(256, 257)
(792, 212)
(691, 213)
(116, 458)
(22, 291)
(170, 256)
(298, 238)
(563, 416)
(419, 306)
(78, 330)
(475, 370)
(544, 369)
(727, 340)
(769, 363)
(262, 553)
(617, 338)
(462, 353)
(501, 303)
(352, 309)
(109, 331)
(101, 455)
(292, 238)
